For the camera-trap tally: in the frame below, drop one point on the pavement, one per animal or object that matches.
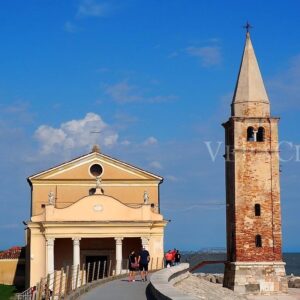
(203, 289)
(120, 289)
(294, 294)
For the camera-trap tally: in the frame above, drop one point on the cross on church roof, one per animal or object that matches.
(247, 27)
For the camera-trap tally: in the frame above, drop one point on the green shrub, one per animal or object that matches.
(7, 291)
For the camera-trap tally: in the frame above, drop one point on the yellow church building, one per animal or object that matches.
(92, 208)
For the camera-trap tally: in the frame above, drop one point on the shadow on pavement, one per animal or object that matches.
(149, 295)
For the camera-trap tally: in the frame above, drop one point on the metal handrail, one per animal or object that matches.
(59, 284)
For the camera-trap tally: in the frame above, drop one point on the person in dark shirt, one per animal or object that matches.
(177, 257)
(133, 265)
(143, 260)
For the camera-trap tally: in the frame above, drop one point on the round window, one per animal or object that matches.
(96, 170)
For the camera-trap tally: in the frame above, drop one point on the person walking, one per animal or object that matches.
(177, 257)
(173, 256)
(143, 260)
(169, 257)
(133, 266)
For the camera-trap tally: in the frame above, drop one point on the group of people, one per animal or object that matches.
(172, 258)
(140, 263)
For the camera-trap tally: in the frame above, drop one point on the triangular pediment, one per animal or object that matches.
(79, 169)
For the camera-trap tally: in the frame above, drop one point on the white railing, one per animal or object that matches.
(60, 284)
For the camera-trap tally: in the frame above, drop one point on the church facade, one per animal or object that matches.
(254, 239)
(92, 208)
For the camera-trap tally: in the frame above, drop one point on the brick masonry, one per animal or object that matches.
(253, 216)
(252, 177)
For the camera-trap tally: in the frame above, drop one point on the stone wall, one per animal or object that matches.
(256, 278)
(252, 177)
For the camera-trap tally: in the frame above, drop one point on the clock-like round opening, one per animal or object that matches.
(96, 170)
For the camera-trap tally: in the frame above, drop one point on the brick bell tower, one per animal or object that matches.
(252, 187)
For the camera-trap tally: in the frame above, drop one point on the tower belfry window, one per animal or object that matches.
(261, 134)
(250, 134)
(258, 242)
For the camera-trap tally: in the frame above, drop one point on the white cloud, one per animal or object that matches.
(19, 110)
(75, 134)
(172, 178)
(123, 92)
(173, 54)
(125, 143)
(111, 139)
(150, 141)
(70, 27)
(160, 98)
(156, 165)
(49, 137)
(208, 55)
(92, 8)
(125, 118)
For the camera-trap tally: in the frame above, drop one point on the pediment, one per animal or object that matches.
(79, 169)
(98, 208)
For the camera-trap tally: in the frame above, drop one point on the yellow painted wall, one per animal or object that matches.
(12, 271)
(96, 219)
(71, 193)
(37, 257)
(73, 181)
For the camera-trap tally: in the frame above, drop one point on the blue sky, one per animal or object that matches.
(157, 78)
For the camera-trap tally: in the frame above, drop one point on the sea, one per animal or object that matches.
(292, 261)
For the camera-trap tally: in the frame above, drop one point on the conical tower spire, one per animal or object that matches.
(250, 98)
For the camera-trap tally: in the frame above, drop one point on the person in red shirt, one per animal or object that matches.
(173, 256)
(169, 257)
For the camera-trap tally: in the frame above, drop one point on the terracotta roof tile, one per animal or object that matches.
(13, 253)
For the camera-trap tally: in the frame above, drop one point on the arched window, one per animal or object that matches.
(250, 134)
(257, 210)
(258, 242)
(261, 134)
(92, 191)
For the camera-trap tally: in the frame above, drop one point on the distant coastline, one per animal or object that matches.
(292, 260)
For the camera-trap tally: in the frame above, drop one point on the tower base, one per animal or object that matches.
(263, 278)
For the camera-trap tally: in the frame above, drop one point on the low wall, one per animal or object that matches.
(12, 271)
(161, 283)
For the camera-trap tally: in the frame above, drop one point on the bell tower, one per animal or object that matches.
(253, 214)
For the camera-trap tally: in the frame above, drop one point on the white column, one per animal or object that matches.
(145, 242)
(118, 255)
(76, 251)
(255, 135)
(50, 255)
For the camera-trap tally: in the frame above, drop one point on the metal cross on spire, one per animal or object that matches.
(248, 27)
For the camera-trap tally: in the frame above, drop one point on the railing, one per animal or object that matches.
(60, 284)
(206, 262)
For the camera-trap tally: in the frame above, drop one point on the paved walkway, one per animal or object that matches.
(119, 289)
(294, 294)
(203, 289)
